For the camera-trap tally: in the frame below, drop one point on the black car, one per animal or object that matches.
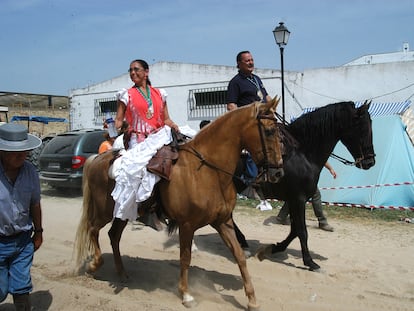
(61, 160)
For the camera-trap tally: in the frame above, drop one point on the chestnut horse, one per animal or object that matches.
(200, 191)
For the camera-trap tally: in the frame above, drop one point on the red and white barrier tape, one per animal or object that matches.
(368, 186)
(411, 208)
(370, 206)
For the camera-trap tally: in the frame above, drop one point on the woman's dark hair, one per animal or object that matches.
(144, 65)
(124, 126)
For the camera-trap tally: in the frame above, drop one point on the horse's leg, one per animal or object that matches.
(186, 239)
(240, 236)
(242, 240)
(282, 246)
(227, 233)
(97, 260)
(296, 211)
(297, 229)
(297, 215)
(115, 233)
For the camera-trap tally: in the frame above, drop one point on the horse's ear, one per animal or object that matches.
(364, 108)
(367, 102)
(276, 101)
(273, 103)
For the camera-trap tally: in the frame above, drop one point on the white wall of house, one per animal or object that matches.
(383, 82)
(404, 55)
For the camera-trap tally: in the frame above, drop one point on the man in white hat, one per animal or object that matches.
(20, 213)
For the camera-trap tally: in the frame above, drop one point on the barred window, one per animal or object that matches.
(207, 103)
(103, 105)
(107, 105)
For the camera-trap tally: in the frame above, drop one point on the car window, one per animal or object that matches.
(92, 142)
(61, 145)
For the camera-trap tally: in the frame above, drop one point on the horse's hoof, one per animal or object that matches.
(95, 265)
(313, 266)
(189, 301)
(278, 248)
(264, 251)
(91, 269)
(251, 307)
(123, 278)
(190, 304)
(247, 253)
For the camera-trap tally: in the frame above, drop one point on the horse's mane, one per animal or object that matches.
(224, 118)
(308, 128)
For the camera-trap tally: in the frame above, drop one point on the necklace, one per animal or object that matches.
(150, 110)
(256, 84)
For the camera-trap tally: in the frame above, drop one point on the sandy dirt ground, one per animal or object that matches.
(365, 266)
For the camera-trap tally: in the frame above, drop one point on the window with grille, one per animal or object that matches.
(207, 103)
(103, 105)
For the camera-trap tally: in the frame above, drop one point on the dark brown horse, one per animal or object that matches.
(313, 137)
(200, 191)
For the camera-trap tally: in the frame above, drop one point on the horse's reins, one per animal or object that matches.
(203, 161)
(266, 165)
(346, 162)
(343, 160)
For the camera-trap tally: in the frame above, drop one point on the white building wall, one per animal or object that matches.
(382, 82)
(404, 55)
(385, 82)
(176, 78)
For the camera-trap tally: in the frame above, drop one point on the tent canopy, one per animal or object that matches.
(389, 184)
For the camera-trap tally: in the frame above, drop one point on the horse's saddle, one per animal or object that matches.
(162, 162)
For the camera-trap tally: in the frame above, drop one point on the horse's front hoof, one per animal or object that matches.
(264, 251)
(313, 266)
(123, 277)
(189, 301)
(251, 307)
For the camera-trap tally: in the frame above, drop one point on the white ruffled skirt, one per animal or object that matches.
(133, 183)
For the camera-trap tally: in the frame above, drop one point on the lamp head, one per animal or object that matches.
(281, 34)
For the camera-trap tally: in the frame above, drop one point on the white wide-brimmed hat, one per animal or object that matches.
(14, 137)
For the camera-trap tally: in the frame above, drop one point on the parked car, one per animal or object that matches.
(62, 159)
(33, 155)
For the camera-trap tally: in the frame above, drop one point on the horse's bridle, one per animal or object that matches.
(354, 163)
(266, 166)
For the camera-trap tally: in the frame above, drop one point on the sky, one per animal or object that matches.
(54, 46)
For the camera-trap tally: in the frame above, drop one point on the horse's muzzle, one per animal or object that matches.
(272, 175)
(366, 163)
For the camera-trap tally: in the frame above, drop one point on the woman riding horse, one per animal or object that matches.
(200, 191)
